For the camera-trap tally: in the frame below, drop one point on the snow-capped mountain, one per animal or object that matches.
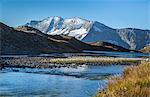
(92, 31)
(75, 27)
(28, 40)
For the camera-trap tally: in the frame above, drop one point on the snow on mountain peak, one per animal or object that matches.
(76, 26)
(92, 31)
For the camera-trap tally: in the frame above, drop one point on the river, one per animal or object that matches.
(83, 81)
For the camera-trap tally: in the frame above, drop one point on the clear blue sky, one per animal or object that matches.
(113, 13)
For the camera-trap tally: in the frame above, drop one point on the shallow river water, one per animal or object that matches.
(62, 82)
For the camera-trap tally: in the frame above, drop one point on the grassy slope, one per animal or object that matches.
(14, 41)
(135, 82)
(146, 49)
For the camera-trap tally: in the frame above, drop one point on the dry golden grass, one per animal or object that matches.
(135, 82)
(146, 49)
(97, 60)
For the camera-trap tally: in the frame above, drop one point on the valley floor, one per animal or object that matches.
(51, 62)
(135, 81)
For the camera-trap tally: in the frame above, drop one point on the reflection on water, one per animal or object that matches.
(48, 85)
(88, 53)
(119, 54)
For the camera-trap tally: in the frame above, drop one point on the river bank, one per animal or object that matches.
(49, 62)
(135, 82)
(83, 81)
(91, 72)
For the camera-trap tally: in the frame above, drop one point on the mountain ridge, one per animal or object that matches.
(28, 40)
(92, 31)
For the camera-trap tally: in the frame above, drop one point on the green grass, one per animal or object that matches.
(135, 82)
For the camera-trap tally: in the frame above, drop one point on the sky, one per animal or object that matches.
(113, 13)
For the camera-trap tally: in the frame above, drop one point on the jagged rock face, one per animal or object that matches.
(89, 31)
(135, 38)
(100, 32)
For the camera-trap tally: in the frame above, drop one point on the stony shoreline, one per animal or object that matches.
(73, 62)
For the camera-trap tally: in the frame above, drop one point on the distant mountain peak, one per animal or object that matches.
(75, 26)
(92, 31)
(28, 40)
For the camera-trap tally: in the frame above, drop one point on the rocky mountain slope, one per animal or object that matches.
(92, 31)
(28, 40)
(22, 42)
